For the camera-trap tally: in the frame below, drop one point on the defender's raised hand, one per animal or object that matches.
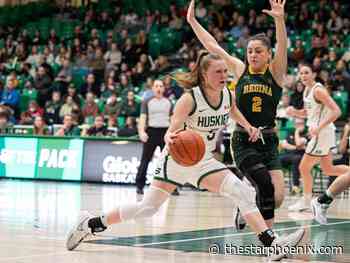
(191, 12)
(277, 9)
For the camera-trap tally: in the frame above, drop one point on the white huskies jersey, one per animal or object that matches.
(315, 111)
(207, 120)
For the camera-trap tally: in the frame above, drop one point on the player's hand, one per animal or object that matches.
(314, 131)
(169, 137)
(277, 9)
(191, 12)
(254, 134)
(144, 137)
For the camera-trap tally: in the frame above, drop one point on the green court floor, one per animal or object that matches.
(332, 240)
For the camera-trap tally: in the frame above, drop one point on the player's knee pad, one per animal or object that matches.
(241, 192)
(260, 177)
(149, 205)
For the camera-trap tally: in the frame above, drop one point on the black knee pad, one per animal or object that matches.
(259, 176)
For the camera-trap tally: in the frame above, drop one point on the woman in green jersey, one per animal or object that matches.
(258, 92)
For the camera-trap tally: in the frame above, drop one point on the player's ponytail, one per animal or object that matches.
(188, 80)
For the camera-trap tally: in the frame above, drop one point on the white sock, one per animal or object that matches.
(329, 194)
(104, 220)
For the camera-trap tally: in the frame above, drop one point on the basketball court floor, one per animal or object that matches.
(35, 217)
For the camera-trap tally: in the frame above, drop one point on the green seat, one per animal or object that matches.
(121, 122)
(154, 46)
(26, 97)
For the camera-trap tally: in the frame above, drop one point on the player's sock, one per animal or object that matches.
(267, 237)
(325, 198)
(96, 224)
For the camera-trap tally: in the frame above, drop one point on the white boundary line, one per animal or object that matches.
(231, 235)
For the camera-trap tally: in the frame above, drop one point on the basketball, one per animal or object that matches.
(188, 148)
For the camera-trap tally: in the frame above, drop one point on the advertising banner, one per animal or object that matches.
(43, 158)
(114, 161)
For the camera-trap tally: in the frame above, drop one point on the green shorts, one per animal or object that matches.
(267, 153)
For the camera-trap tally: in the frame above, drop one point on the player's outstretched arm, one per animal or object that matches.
(279, 62)
(235, 65)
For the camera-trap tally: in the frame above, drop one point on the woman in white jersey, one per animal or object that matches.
(321, 111)
(208, 98)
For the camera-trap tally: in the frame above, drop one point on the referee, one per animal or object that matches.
(153, 124)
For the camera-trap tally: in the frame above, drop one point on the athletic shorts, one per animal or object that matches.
(169, 171)
(267, 153)
(322, 144)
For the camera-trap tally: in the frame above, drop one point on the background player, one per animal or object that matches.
(208, 98)
(153, 124)
(258, 92)
(321, 111)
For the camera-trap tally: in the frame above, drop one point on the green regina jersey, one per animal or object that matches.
(257, 97)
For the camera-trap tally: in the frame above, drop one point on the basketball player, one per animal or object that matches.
(204, 108)
(320, 204)
(321, 111)
(258, 92)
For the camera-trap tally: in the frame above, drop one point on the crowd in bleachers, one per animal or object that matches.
(86, 69)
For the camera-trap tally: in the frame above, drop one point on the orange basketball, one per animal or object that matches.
(188, 148)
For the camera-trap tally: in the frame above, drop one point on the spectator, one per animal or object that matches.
(68, 128)
(243, 39)
(147, 90)
(108, 88)
(294, 148)
(42, 83)
(34, 110)
(64, 76)
(90, 85)
(4, 123)
(52, 108)
(131, 107)
(236, 31)
(130, 128)
(34, 57)
(40, 127)
(77, 98)
(98, 129)
(10, 96)
(90, 109)
(113, 57)
(296, 98)
(67, 107)
(335, 22)
(97, 64)
(112, 106)
(112, 126)
(319, 41)
(298, 53)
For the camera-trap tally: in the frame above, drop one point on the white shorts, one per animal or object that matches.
(322, 144)
(169, 171)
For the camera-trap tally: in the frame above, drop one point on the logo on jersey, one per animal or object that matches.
(212, 121)
(257, 88)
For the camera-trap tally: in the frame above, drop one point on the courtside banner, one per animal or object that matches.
(41, 158)
(114, 161)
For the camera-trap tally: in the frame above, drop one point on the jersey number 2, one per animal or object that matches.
(257, 102)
